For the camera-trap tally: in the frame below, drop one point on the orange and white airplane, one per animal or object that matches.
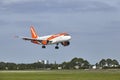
(62, 38)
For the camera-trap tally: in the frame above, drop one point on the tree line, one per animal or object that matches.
(75, 63)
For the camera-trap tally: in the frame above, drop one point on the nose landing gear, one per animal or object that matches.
(56, 47)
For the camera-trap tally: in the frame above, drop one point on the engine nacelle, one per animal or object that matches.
(66, 43)
(44, 42)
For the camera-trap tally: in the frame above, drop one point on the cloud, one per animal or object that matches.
(56, 6)
(7, 2)
(2, 22)
(94, 22)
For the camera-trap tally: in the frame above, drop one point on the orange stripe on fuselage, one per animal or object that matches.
(55, 36)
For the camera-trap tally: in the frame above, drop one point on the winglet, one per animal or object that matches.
(33, 32)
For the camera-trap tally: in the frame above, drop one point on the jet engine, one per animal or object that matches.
(66, 43)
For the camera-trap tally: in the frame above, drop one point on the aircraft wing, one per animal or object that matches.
(28, 38)
(31, 39)
(35, 39)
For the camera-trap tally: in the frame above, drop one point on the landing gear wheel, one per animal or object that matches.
(56, 47)
(43, 46)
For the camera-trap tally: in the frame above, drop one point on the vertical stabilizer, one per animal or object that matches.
(33, 32)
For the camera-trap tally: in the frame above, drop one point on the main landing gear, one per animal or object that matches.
(43, 46)
(56, 47)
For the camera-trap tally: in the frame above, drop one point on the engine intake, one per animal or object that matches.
(66, 43)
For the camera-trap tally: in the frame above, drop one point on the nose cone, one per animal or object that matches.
(68, 37)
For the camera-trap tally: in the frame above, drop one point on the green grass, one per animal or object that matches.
(61, 75)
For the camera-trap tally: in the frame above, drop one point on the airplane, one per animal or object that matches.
(63, 38)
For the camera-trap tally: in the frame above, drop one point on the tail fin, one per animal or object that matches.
(33, 32)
